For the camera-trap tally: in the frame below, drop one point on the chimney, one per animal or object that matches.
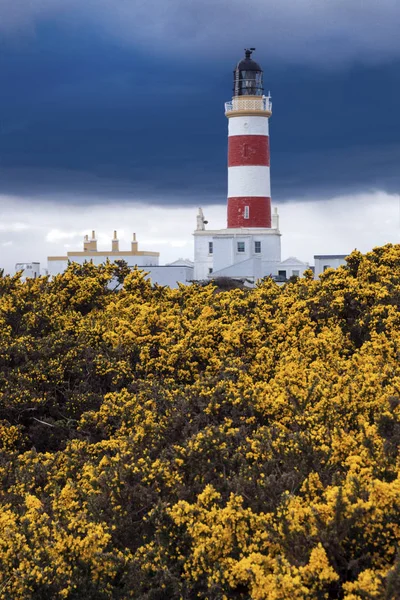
(115, 243)
(275, 219)
(90, 245)
(134, 244)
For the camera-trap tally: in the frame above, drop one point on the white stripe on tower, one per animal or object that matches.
(249, 181)
(248, 126)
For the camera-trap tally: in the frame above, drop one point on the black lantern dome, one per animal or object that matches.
(248, 76)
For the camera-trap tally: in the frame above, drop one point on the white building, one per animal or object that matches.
(172, 274)
(238, 252)
(326, 261)
(29, 270)
(180, 271)
(133, 257)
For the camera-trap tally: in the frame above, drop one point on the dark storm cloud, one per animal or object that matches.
(82, 115)
(298, 31)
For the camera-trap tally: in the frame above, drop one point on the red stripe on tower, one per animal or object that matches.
(248, 150)
(249, 212)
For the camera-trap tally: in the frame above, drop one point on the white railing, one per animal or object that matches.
(249, 103)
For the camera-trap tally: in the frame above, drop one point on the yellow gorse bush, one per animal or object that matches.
(201, 443)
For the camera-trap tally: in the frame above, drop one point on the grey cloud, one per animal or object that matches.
(306, 174)
(336, 225)
(155, 188)
(297, 31)
(337, 171)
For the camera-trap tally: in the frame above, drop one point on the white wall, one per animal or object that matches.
(269, 268)
(292, 269)
(141, 261)
(226, 243)
(203, 260)
(333, 261)
(250, 269)
(58, 266)
(163, 275)
(31, 270)
(170, 275)
(270, 247)
(224, 254)
(54, 267)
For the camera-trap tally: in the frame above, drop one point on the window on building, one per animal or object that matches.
(210, 270)
(210, 247)
(327, 267)
(257, 247)
(296, 273)
(240, 247)
(282, 274)
(246, 213)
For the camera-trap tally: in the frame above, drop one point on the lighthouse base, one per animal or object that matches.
(251, 253)
(241, 253)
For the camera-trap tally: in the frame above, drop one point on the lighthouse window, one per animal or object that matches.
(257, 247)
(246, 213)
(210, 247)
(240, 247)
(248, 83)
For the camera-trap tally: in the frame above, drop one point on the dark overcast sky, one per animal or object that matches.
(128, 101)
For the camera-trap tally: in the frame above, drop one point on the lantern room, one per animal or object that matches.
(248, 76)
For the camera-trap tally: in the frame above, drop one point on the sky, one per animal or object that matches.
(111, 117)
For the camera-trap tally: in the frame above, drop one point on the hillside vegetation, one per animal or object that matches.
(198, 443)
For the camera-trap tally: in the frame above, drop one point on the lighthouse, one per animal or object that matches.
(249, 248)
(248, 113)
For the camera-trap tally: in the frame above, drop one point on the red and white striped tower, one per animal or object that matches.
(249, 190)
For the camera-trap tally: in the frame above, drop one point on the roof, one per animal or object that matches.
(292, 260)
(247, 63)
(324, 256)
(181, 262)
